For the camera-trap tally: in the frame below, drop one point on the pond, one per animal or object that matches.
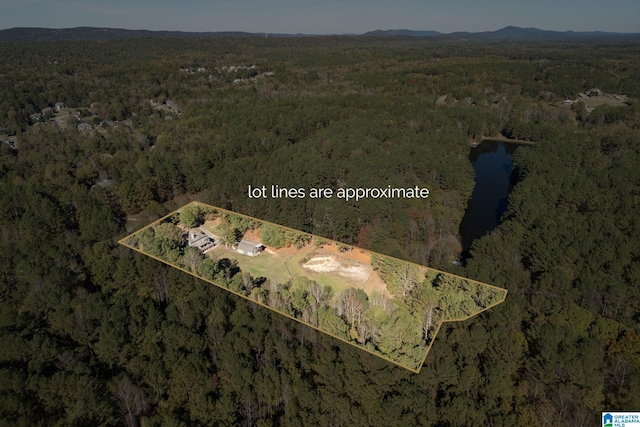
(492, 163)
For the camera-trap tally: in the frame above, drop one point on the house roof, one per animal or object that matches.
(195, 235)
(204, 244)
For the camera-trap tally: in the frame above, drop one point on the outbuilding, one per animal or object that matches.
(247, 247)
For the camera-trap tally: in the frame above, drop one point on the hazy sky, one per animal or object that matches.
(324, 16)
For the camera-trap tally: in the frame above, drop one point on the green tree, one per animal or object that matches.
(352, 304)
(192, 258)
(170, 232)
(332, 323)
(208, 268)
(272, 236)
(226, 232)
(191, 215)
(424, 304)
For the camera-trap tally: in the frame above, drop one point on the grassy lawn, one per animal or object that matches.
(275, 268)
(212, 226)
(263, 265)
(338, 285)
(293, 263)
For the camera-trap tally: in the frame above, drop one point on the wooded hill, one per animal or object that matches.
(94, 334)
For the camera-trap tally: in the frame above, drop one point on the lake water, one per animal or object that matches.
(492, 163)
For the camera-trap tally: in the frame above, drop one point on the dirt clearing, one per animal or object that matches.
(330, 264)
(357, 274)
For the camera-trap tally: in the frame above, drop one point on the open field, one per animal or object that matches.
(263, 265)
(605, 99)
(326, 268)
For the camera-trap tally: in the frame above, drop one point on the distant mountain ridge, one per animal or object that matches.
(504, 34)
(412, 33)
(534, 34)
(93, 33)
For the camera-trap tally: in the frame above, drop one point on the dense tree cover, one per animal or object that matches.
(279, 237)
(95, 335)
(568, 251)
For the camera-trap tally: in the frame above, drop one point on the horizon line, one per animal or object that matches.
(319, 34)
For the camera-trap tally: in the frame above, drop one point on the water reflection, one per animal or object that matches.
(492, 163)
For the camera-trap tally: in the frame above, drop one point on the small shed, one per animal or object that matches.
(247, 247)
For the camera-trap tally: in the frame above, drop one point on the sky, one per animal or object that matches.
(324, 16)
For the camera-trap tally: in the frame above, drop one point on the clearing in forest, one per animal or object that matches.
(385, 306)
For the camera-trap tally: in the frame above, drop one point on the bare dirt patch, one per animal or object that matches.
(605, 99)
(252, 235)
(354, 254)
(357, 273)
(284, 253)
(375, 283)
(212, 224)
(340, 267)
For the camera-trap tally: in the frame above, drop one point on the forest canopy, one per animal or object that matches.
(99, 138)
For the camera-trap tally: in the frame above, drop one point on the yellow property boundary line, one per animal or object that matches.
(123, 243)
